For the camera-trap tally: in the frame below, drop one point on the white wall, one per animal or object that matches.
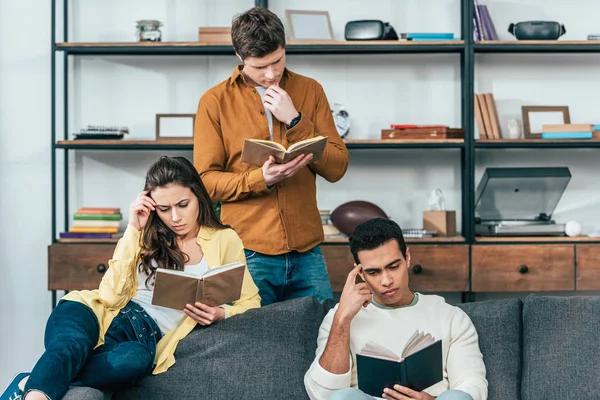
(376, 89)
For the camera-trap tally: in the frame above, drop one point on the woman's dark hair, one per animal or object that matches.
(159, 242)
(257, 33)
(374, 233)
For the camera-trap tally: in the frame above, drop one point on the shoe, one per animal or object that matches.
(14, 391)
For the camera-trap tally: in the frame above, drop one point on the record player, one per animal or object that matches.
(520, 201)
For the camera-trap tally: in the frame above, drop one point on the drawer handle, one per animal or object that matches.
(101, 268)
(417, 269)
(523, 269)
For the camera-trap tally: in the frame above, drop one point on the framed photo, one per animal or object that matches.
(175, 126)
(534, 117)
(308, 25)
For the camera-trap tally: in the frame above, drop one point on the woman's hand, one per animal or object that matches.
(140, 210)
(404, 393)
(203, 314)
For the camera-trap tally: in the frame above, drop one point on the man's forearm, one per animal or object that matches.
(336, 357)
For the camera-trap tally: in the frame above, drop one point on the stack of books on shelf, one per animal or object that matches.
(486, 116)
(570, 131)
(94, 223)
(483, 26)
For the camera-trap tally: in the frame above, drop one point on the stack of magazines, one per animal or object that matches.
(102, 132)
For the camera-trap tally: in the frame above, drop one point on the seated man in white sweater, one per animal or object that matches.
(384, 310)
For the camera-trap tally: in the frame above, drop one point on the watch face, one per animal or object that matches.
(341, 119)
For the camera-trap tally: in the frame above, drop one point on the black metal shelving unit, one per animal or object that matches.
(466, 49)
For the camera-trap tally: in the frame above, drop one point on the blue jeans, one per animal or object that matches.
(355, 394)
(70, 359)
(289, 275)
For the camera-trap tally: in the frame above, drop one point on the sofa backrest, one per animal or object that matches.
(561, 348)
(261, 354)
(499, 327)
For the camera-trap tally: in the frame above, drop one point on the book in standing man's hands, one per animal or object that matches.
(419, 366)
(257, 152)
(217, 286)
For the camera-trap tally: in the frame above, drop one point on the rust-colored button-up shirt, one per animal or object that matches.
(285, 218)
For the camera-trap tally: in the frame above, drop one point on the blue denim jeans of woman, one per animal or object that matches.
(289, 275)
(70, 359)
(356, 394)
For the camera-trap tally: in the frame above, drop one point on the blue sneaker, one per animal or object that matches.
(13, 391)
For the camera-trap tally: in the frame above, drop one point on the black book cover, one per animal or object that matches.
(417, 371)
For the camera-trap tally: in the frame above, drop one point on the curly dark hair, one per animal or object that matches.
(159, 242)
(257, 33)
(374, 233)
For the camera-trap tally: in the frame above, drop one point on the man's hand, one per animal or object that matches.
(280, 104)
(404, 393)
(354, 296)
(203, 314)
(274, 173)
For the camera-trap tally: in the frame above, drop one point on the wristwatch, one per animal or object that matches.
(294, 122)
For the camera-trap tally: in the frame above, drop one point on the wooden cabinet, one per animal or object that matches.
(434, 268)
(522, 268)
(77, 266)
(587, 265)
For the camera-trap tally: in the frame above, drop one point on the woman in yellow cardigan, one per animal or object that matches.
(111, 337)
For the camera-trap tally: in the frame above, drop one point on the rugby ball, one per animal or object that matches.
(348, 216)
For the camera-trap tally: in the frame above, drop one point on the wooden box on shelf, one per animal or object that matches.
(444, 222)
(212, 35)
(77, 266)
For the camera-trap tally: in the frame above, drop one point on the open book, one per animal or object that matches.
(217, 286)
(257, 152)
(418, 367)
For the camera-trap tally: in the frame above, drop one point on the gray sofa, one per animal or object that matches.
(541, 348)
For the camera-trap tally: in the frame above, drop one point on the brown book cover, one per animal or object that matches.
(495, 120)
(487, 122)
(257, 152)
(218, 286)
(479, 119)
(567, 128)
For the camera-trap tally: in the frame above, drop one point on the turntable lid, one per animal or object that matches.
(520, 193)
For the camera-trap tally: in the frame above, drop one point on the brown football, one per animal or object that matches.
(348, 216)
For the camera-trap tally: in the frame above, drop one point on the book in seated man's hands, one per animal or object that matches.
(217, 286)
(419, 366)
(257, 152)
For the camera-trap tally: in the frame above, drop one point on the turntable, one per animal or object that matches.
(519, 201)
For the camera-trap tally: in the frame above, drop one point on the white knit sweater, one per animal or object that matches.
(391, 327)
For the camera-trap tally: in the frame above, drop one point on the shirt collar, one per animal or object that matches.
(412, 303)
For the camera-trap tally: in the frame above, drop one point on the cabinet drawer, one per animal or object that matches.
(522, 268)
(434, 268)
(339, 263)
(439, 268)
(587, 266)
(77, 266)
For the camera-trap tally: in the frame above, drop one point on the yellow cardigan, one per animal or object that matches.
(119, 286)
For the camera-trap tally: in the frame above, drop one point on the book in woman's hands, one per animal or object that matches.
(257, 152)
(217, 286)
(419, 366)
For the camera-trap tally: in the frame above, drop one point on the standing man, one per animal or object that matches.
(273, 208)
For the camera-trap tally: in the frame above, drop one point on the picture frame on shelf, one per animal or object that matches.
(175, 126)
(534, 117)
(308, 25)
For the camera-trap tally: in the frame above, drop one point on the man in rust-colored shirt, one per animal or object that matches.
(273, 208)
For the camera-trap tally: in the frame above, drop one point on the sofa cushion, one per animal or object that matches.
(86, 393)
(498, 324)
(561, 356)
(261, 354)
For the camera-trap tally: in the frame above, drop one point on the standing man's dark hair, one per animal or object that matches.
(273, 207)
(373, 233)
(256, 33)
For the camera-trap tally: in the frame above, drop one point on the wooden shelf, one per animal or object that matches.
(536, 143)
(434, 240)
(292, 47)
(537, 46)
(536, 239)
(187, 144)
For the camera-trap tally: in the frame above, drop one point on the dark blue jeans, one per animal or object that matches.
(70, 359)
(289, 275)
